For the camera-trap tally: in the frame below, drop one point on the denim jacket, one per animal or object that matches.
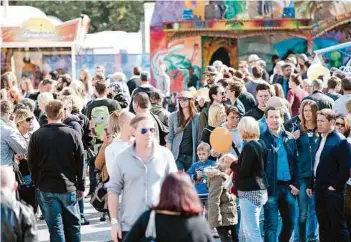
(271, 170)
(175, 136)
(306, 147)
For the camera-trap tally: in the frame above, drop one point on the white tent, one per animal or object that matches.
(114, 42)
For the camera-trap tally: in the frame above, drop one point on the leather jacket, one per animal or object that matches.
(18, 222)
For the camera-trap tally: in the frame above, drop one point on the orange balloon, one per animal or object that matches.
(221, 140)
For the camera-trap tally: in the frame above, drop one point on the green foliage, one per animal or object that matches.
(104, 15)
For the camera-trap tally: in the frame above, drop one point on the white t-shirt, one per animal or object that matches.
(112, 151)
(340, 104)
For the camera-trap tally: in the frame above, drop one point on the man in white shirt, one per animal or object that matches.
(137, 175)
(330, 174)
(340, 107)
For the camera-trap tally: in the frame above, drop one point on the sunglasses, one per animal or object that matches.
(222, 93)
(145, 130)
(29, 119)
(340, 124)
(183, 99)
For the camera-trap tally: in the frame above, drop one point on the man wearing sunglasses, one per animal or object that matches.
(137, 176)
(11, 140)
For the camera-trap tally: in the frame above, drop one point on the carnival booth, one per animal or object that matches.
(40, 45)
(195, 33)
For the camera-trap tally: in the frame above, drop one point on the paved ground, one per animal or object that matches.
(95, 231)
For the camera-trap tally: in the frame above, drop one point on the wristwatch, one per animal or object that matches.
(114, 221)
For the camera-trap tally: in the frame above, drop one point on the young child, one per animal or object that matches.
(196, 171)
(222, 209)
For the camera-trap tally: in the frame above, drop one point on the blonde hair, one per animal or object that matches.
(214, 114)
(203, 146)
(113, 126)
(78, 103)
(21, 115)
(44, 98)
(348, 106)
(248, 128)
(78, 87)
(118, 77)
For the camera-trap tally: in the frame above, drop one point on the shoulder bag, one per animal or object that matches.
(150, 232)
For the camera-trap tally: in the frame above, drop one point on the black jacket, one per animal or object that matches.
(255, 112)
(18, 222)
(56, 159)
(334, 163)
(322, 100)
(250, 170)
(73, 121)
(168, 227)
(248, 100)
(87, 135)
(133, 83)
(292, 124)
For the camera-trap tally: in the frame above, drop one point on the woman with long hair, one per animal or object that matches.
(177, 217)
(251, 179)
(84, 76)
(342, 125)
(182, 136)
(112, 131)
(296, 94)
(306, 137)
(26, 87)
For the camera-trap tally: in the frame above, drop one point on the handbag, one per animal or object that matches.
(99, 198)
(150, 232)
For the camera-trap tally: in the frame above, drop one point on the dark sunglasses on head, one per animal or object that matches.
(222, 93)
(145, 130)
(29, 119)
(340, 124)
(184, 99)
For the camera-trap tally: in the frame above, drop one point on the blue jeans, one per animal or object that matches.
(184, 162)
(306, 217)
(284, 202)
(250, 221)
(81, 207)
(61, 214)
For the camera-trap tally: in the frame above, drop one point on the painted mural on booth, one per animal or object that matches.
(178, 56)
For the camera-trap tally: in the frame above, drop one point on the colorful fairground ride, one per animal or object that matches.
(195, 33)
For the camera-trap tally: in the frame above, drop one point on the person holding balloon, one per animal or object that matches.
(182, 136)
(216, 117)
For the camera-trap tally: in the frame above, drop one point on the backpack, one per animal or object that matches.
(99, 118)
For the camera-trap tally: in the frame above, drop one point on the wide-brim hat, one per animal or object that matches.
(186, 94)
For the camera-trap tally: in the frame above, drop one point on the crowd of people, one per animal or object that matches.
(152, 166)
